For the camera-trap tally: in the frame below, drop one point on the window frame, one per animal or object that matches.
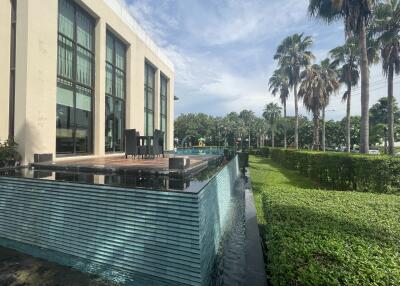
(13, 50)
(75, 83)
(147, 109)
(113, 95)
(164, 113)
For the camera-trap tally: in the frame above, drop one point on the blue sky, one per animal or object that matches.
(223, 50)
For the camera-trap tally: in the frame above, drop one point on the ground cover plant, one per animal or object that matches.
(315, 236)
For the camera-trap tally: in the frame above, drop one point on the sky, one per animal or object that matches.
(223, 51)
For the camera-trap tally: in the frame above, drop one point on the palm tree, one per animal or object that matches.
(356, 15)
(346, 58)
(279, 84)
(315, 89)
(247, 116)
(293, 55)
(272, 113)
(387, 26)
(330, 77)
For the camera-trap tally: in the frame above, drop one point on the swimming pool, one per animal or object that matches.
(200, 151)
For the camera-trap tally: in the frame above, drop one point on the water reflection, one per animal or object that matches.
(125, 178)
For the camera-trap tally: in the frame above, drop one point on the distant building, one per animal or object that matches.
(75, 74)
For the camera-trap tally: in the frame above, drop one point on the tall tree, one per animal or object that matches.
(318, 83)
(347, 58)
(379, 124)
(356, 15)
(293, 55)
(279, 84)
(247, 117)
(272, 113)
(330, 77)
(387, 26)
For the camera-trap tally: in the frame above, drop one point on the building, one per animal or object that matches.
(75, 73)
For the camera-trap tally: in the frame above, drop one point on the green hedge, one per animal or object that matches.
(342, 171)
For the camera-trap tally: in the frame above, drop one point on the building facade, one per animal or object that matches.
(74, 74)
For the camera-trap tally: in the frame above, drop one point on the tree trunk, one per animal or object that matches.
(296, 114)
(316, 132)
(348, 123)
(273, 138)
(284, 125)
(390, 112)
(385, 141)
(364, 134)
(323, 130)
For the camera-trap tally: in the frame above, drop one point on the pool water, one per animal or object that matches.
(200, 151)
(231, 261)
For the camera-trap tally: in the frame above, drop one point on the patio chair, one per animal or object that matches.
(142, 148)
(158, 143)
(131, 143)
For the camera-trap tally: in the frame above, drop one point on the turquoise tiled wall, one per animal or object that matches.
(169, 236)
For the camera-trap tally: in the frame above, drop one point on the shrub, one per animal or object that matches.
(343, 171)
(319, 237)
(9, 156)
(316, 237)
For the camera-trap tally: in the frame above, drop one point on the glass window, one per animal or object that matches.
(149, 98)
(75, 79)
(109, 79)
(115, 93)
(84, 30)
(120, 55)
(66, 18)
(65, 57)
(11, 106)
(84, 67)
(109, 124)
(163, 105)
(109, 48)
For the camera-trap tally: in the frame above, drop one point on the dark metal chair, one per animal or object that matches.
(158, 143)
(131, 143)
(161, 143)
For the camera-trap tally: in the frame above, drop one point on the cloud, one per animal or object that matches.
(222, 50)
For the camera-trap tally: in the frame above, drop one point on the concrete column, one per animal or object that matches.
(170, 114)
(5, 33)
(135, 83)
(36, 78)
(100, 89)
(157, 100)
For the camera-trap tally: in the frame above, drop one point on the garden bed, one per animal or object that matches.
(320, 237)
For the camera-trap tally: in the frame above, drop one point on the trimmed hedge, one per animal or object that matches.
(342, 171)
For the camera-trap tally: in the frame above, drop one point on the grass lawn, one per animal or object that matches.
(323, 237)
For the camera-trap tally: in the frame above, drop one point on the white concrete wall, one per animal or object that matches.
(36, 78)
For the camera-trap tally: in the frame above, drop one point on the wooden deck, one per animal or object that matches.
(112, 164)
